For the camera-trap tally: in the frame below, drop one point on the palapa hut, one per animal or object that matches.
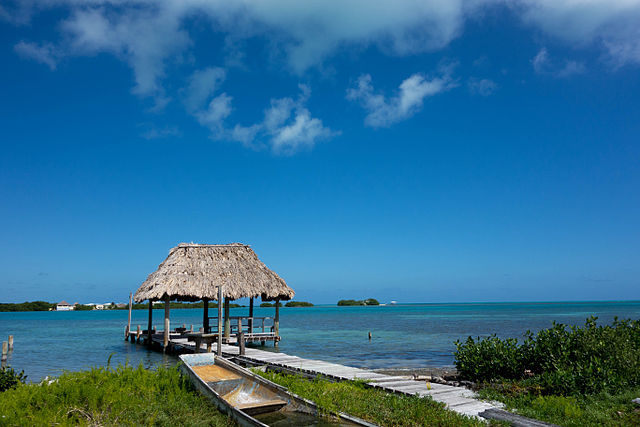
(194, 272)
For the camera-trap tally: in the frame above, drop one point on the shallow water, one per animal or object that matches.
(412, 336)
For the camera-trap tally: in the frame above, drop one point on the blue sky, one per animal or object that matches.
(410, 150)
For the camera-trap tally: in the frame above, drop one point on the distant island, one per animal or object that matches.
(347, 302)
(298, 304)
(288, 304)
(49, 306)
(270, 304)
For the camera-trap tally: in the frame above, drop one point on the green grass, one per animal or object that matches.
(602, 409)
(103, 396)
(373, 405)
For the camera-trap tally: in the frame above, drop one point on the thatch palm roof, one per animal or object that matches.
(193, 272)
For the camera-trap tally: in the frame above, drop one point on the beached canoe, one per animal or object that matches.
(252, 400)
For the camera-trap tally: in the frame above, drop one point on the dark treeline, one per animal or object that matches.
(298, 304)
(46, 306)
(370, 301)
(27, 306)
(288, 304)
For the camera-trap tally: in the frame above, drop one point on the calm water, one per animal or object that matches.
(46, 343)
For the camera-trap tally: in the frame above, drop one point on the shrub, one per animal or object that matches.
(561, 360)
(9, 378)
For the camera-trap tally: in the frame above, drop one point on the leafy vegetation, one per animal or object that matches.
(9, 378)
(270, 304)
(373, 405)
(602, 409)
(574, 376)
(27, 306)
(560, 360)
(103, 396)
(348, 302)
(298, 304)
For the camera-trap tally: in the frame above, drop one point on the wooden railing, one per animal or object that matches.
(245, 324)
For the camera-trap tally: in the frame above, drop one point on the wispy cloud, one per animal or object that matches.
(542, 64)
(483, 87)
(45, 53)
(287, 126)
(202, 84)
(383, 111)
(161, 133)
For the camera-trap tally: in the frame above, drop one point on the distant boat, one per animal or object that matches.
(252, 400)
(393, 302)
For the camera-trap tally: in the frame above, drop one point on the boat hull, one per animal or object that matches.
(241, 394)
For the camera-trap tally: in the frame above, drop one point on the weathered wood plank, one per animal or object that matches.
(513, 419)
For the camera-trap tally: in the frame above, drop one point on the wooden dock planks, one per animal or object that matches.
(457, 399)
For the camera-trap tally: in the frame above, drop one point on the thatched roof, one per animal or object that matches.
(192, 272)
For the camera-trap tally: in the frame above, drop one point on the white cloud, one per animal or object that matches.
(216, 113)
(202, 84)
(45, 53)
(543, 64)
(144, 35)
(483, 87)
(286, 128)
(581, 23)
(383, 111)
(147, 33)
(159, 133)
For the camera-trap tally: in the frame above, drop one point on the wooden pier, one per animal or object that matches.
(457, 399)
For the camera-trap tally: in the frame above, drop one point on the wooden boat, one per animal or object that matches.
(252, 400)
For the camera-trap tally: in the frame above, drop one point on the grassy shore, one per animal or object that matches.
(373, 405)
(102, 396)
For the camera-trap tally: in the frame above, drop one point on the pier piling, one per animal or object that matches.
(5, 350)
(130, 307)
(10, 342)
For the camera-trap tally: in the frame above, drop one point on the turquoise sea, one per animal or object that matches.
(415, 335)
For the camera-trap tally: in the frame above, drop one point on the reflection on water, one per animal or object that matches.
(46, 343)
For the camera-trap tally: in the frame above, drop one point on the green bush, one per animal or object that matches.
(559, 360)
(9, 378)
(298, 304)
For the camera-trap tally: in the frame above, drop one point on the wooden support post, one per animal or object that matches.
(276, 322)
(138, 333)
(239, 324)
(241, 343)
(130, 307)
(251, 315)
(219, 321)
(150, 324)
(167, 324)
(227, 321)
(10, 342)
(205, 315)
(5, 350)
(126, 332)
